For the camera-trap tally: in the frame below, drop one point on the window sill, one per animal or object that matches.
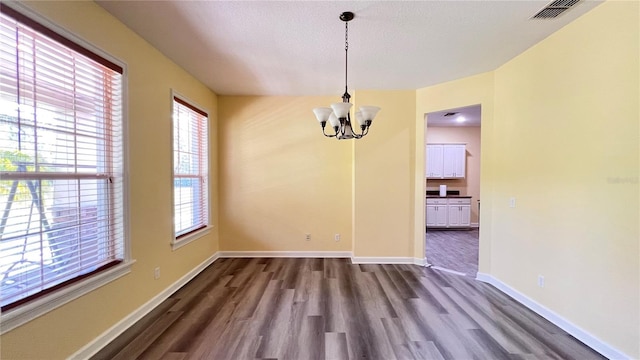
(29, 311)
(177, 244)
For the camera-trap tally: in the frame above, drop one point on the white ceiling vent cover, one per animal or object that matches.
(554, 9)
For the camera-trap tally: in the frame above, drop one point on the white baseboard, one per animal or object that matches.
(421, 262)
(387, 260)
(475, 225)
(285, 254)
(575, 331)
(448, 271)
(110, 334)
(324, 254)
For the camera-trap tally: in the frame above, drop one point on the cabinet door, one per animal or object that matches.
(436, 216)
(441, 215)
(434, 161)
(454, 215)
(454, 159)
(465, 215)
(431, 215)
(459, 215)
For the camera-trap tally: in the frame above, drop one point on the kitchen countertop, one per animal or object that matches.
(448, 196)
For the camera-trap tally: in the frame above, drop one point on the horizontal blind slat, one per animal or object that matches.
(61, 178)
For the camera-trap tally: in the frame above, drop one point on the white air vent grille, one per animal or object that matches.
(554, 9)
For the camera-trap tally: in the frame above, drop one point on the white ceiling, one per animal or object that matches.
(297, 47)
(462, 117)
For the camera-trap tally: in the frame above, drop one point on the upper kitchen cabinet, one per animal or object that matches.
(446, 161)
(435, 158)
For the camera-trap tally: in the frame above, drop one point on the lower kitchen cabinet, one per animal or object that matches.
(437, 212)
(459, 216)
(448, 212)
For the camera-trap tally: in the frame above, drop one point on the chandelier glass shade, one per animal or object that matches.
(339, 114)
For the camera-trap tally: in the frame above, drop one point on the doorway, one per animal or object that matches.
(452, 175)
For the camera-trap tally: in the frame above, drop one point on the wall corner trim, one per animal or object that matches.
(575, 331)
(113, 332)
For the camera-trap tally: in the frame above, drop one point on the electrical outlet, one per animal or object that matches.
(156, 273)
(512, 202)
(336, 237)
(307, 237)
(540, 281)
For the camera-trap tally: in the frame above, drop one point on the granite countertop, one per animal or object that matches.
(448, 196)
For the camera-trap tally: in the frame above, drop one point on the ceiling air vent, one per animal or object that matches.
(554, 9)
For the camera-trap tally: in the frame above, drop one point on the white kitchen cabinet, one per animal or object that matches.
(436, 212)
(453, 162)
(448, 212)
(459, 212)
(446, 161)
(435, 157)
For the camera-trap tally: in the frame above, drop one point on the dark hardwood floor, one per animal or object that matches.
(331, 309)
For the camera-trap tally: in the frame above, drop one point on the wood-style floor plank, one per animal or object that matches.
(307, 309)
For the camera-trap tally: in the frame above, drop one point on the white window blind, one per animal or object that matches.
(190, 169)
(61, 161)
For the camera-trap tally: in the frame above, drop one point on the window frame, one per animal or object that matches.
(25, 312)
(179, 241)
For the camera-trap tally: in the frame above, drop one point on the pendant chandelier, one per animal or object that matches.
(338, 115)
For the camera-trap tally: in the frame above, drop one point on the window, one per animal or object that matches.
(190, 170)
(61, 162)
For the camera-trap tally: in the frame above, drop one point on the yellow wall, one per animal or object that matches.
(470, 185)
(63, 331)
(383, 177)
(280, 178)
(565, 144)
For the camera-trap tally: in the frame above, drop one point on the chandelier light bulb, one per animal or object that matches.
(333, 120)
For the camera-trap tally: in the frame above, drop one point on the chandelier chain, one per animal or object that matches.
(346, 36)
(346, 54)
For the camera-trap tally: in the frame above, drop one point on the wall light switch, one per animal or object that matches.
(512, 202)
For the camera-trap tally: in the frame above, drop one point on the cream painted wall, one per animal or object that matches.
(566, 145)
(280, 184)
(383, 177)
(470, 185)
(280, 178)
(151, 76)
